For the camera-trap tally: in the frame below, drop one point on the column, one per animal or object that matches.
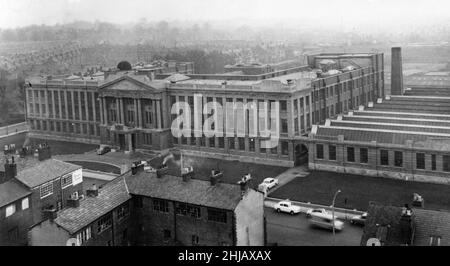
(105, 111)
(118, 111)
(139, 113)
(80, 112)
(290, 117)
(86, 105)
(158, 108)
(136, 122)
(34, 102)
(299, 116)
(94, 103)
(73, 104)
(154, 123)
(224, 109)
(59, 105)
(204, 118)
(121, 111)
(53, 104)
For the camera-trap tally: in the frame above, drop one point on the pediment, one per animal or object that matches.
(128, 84)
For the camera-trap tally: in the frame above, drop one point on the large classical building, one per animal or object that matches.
(132, 110)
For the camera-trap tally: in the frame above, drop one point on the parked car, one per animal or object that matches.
(270, 182)
(316, 211)
(326, 221)
(287, 206)
(103, 149)
(359, 219)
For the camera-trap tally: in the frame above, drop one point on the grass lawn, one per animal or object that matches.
(96, 166)
(233, 171)
(319, 187)
(65, 147)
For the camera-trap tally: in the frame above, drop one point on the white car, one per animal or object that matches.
(287, 206)
(310, 212)
(270, 182)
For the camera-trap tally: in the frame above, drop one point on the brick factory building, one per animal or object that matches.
(131, 110)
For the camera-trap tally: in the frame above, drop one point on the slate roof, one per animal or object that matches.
(385, 222)
(11, 191)
(197, 192)
(431, 223)
(45, 171)
(111, 196)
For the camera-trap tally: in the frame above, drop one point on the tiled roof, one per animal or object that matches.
(194, 191)
(384, 222)
(45, 171)
(11, 191)
(431, 223)
(112, 195)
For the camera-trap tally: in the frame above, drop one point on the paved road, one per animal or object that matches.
(295, 230)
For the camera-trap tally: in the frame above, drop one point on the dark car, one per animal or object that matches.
(103, 149)
(359, 219)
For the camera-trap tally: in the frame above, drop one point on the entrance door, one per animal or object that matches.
(122, 143)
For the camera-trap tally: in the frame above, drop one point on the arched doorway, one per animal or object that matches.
(300, 154)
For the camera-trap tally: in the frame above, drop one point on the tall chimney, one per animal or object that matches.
(396, 71)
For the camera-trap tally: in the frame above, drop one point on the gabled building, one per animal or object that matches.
(170, 210)
(432, 228)
(15, 213)
(102, 218)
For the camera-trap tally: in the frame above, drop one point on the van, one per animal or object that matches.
(326, 221)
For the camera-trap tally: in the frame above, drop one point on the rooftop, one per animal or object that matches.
(45, 171)
(11, 191)
(194, 191)
(112, 195)
(431, 223)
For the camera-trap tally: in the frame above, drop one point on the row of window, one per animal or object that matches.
(215, 215)
(57, 100)
(65, 127)
(130, 112)
(384, 157)
(232, 144)
(46, 189)
(15, 207)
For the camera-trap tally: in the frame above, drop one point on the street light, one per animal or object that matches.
(332, 215)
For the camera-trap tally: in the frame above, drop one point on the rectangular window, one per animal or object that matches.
(363, 155)
(217, 216)
(283, 106)
(284, 148)
(435, 241)
(25, 204)
(350, 154)
(319, 152)
(446, 163)
(420, 160)
(46, 189)
(332, 152)
(398, 158)
(188, 210)
(241, 143)
(123, 211)
(231, 143)
(10, 210)
(66, 181)
(104, 223)
(160, 205)
(284, 126)
(433, 162)
(384, 157)
(84, 235)
(148, 138)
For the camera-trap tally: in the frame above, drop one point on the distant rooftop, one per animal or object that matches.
(194, 191)
(45, 171)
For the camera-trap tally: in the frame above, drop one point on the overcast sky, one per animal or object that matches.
(18, 13)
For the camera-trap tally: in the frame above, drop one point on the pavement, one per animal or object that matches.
(13, 129)
(295, 230)
(289, 175)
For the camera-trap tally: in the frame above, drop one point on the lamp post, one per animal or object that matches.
(332, 215)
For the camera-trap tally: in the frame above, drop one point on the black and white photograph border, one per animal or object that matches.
(225, 124)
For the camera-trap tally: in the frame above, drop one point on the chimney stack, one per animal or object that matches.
(216, 177)
(187, 173)
(396, 71)
(92, 192)
(10, 170)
